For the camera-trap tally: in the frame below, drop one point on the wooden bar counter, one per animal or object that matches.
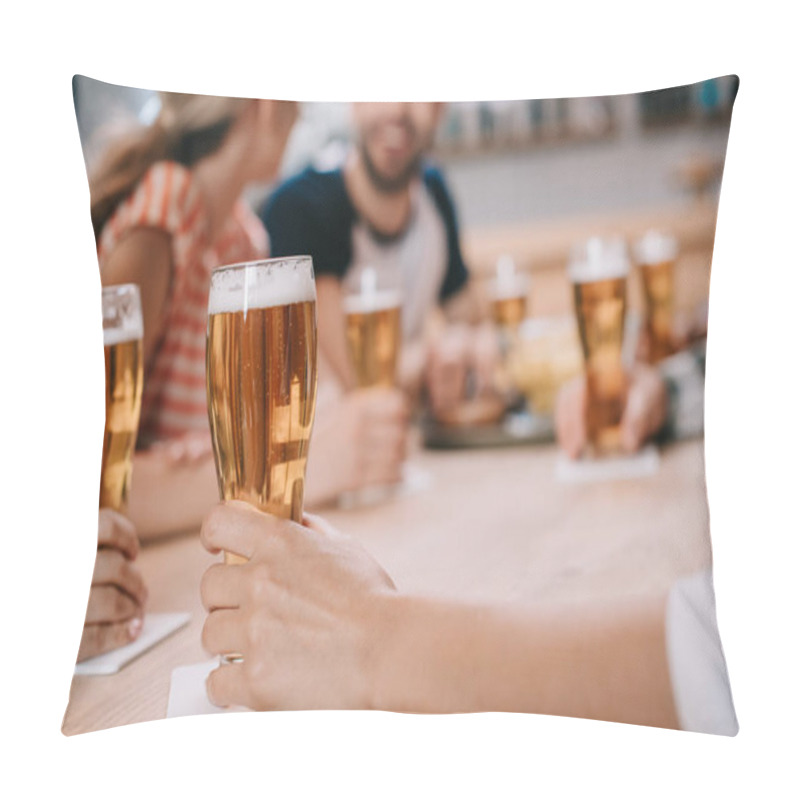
(491, 526)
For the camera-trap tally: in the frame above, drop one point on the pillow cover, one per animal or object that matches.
(471, 338)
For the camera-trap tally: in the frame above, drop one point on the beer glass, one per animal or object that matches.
(122, 341)
(372, 324)
(509, 295)
(655, 255)
(261, 381)
(598, 271)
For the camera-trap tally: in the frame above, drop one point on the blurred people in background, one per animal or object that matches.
(387, 209)
(117, 596)
(663, 401)
(338, 634)
(166, 209)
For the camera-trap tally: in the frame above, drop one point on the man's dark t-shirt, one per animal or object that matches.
(312, 214)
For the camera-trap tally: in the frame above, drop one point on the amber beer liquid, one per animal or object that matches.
(373, 337)
(509, 312)
(261, 381)
(122, 339)
(599, 278)
(509, 296)
(655, 255)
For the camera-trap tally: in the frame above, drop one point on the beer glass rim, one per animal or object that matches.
(263, 262)
(516, 285)
(122, 313)
(598, 258)
(655, 246)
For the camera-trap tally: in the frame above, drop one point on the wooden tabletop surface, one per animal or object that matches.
(491, 526)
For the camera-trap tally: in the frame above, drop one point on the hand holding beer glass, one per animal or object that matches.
(598, 271)
(373, 325)
(117, 595)
(374, 333)
(261, 380)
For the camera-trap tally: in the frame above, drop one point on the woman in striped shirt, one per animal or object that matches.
(166, 209)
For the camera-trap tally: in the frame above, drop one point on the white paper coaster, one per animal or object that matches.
(643, 464)
(415, 479)
(155, 628)
(187, 691)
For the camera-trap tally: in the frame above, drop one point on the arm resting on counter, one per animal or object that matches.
(338, 634)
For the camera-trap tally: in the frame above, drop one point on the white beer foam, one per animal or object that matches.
(261, 285)
(509, 287)
(599, 260)
(131, 331)
(372, 301)
(655, 247)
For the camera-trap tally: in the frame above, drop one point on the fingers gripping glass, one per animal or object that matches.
(261, 381)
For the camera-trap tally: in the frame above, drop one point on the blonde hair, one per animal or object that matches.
(187, 128)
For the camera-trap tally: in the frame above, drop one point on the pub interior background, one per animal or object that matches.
(512, 162)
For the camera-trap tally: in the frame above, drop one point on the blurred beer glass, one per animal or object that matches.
(122, 340)
(508, 292)
(373, 324)
(598, 270)
(655, 255)
(261, 381)
(372, 319)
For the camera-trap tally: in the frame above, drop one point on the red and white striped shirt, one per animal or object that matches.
(174, 395)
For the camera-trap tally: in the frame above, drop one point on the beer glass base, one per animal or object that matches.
(230, 658)
(605, 442)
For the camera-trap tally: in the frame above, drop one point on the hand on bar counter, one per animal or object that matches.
(118, 595)
(461, 364)
(319, 624)
(359, 441)
(688, 329)
(644, 414)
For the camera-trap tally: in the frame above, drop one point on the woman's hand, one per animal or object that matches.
(446, 368)
(175, 485)
(118, 594)
(358, 441)
(304, 612)
(461, 364)
(688, 328)
(644, 414)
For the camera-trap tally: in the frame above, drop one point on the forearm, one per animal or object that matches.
(322, 485)
(411, 369)
(601, 663)
(332, 336)
(168, 498)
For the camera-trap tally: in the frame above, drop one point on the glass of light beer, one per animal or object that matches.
(261, 381)
(122, 341)
(509, 295)
(655, 255)
(372, 324)
(598, 271)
